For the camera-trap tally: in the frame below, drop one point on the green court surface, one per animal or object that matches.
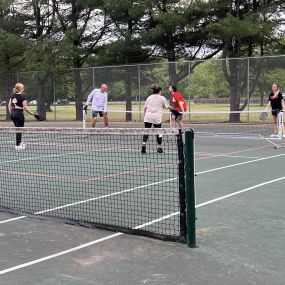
(239, 185)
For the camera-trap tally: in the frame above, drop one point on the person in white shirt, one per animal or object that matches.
(99, 99)
(153, 108)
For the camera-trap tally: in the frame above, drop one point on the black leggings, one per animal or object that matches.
(18, 119)
(148, 126)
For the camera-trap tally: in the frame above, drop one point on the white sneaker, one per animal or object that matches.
(23, 145)
(273, 136)
(19, 147)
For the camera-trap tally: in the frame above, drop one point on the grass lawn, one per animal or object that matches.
(67, 113)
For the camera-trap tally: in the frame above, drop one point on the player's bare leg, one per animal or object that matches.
(180, 123)
(275, 118)
(106, 120)
(93, 122)
(173, 122)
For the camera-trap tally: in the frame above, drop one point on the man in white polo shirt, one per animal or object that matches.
(99, 99)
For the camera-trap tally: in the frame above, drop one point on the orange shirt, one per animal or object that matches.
(176, 99)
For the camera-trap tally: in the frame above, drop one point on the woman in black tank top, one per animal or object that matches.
(17, 105)
(276, 102)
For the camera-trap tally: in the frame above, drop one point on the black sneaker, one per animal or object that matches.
(143, 149)
(159, 150)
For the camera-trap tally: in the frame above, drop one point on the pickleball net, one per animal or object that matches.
(97, 178)
(238, 126)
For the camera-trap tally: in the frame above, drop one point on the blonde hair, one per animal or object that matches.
(276, 84)
(19, 88)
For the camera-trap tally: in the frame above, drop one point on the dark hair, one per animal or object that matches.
(174, 88)
(155, 89)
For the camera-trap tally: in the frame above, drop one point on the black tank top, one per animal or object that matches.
(17, 101)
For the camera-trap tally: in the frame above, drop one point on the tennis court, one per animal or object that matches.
(239, 205)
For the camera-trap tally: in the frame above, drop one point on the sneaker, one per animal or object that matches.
(23, 145)
(273, 136)
(19, 147)
(159, 150)
(143, 149)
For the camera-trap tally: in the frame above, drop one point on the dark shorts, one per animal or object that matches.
(177, 115)
(149, 125)
(95, 113)
(275, 112)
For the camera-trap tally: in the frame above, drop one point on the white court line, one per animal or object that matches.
(72, 153)
(92, 199)
(226, 155)
(12, 220)
(234, 137)
(238, 164)
(240, 156)
(139, 187)
(239, 192)
(59, 253)
(83, 245)
(53, 155)
(23, 265)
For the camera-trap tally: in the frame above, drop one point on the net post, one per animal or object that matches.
(190, 188)
(181, 181)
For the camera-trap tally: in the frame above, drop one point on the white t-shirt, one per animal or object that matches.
(98, 99)
(154, 106)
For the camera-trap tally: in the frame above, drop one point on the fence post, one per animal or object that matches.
(190, 188)
(139, 89)
(93, 77)
(189, 95)
(248, 90)
(54, 95)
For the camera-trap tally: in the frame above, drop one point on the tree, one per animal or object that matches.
(41, 53)
(208, 81)
(82, 28)
(12, 46)
(128, 26)
(242, 28)
(177, 31)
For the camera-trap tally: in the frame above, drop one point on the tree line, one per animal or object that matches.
(48, 36)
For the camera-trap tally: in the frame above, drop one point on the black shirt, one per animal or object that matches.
(276, 104)
(17, 101)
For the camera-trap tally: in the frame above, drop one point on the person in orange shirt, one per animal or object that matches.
(179, 106)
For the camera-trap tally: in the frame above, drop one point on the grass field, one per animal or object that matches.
(67, 113)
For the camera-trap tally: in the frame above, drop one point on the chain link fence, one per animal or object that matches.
(209, 86)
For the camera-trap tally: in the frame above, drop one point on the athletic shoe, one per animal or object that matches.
(19, 147)
(274, 136)
(23, 145)
(143, 149)
(159, 150)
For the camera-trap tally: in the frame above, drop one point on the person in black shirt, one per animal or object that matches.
(17, 105)
(276, 102)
